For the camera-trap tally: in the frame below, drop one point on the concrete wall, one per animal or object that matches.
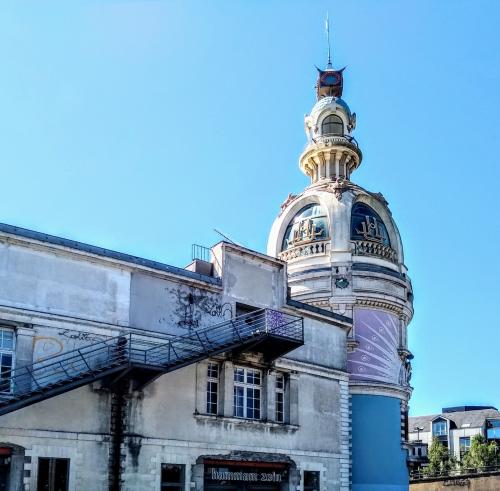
(63, 284)
(58, 300)
(167, 306)
(324, 344)
(470, 483)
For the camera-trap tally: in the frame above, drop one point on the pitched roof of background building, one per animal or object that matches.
(474, 419)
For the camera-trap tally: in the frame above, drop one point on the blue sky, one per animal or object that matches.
(142, 125)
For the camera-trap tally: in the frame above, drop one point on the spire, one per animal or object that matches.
(327, 28)
(330, 81)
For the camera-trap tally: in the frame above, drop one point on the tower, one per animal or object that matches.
(344, 253)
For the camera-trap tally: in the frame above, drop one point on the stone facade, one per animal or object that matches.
(58, 296)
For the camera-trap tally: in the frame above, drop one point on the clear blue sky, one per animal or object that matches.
(142, 125)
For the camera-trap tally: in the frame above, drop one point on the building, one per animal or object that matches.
(243, 371)
(344, 253)
(454, 428)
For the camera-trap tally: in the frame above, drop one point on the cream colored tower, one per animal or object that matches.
(344, 253)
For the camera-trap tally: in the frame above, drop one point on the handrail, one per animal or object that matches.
(133, 350)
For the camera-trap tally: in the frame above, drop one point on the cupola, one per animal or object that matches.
(331, 152)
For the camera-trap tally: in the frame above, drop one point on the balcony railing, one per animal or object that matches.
(334, 139)
(304, 250)
(370, 248)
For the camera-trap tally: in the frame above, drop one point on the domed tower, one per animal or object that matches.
(344, 253)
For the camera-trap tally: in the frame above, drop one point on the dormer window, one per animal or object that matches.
(439, 428)
(367, 225)
(308, 225)
(332, 125)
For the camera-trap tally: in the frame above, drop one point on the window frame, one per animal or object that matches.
(361, 210)
(280, 389)
(168, 484)
(439, 422)
(246, 387)
(316, 476)
(7, 352)
(212, 407)
(332, 121)
(465, 448)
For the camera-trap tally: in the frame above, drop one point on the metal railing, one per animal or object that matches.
(422, 474)
(201, 252)
(42, 379)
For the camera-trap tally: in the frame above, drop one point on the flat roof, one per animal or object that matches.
(101, 251)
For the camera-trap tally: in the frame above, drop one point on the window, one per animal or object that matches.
(212, 387)
(464, 444)
(53, 474)
(311, 481)
(332, 125)
(172, 477)
(493, 429)
(439, 428)
(247, 391)
(280, 398)
(308, 225)
(6, 358)
(367, 225)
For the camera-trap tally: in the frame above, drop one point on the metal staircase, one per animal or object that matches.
(144, 357)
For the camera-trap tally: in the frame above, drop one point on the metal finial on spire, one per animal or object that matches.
(327, 28)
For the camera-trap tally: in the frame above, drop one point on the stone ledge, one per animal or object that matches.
(248, 423)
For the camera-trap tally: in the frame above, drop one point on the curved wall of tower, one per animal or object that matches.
(344, 254)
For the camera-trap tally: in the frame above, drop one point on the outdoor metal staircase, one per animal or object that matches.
(144, 357)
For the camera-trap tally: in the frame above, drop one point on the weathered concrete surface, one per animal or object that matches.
(471, 483)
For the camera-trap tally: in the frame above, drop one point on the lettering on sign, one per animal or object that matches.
(457, 482)
(223, 475)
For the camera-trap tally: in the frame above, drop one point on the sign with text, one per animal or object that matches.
(227, 474)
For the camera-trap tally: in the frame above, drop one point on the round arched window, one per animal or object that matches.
(367, 225)
(332, 125)
(308, 225)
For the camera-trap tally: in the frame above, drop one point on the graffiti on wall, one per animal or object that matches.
(52, 343)
(376, 357)
(192, 306)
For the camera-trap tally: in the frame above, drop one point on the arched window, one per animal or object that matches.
(367, 225)
(308, 225)
(332, 125)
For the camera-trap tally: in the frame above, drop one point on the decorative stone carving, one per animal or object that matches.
(310, 249)
(372, 248)
(291, 197)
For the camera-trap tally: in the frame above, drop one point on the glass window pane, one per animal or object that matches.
(239, 402)
(7, 339)
(239, 375)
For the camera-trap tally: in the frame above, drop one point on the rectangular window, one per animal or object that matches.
(247, 392)
(6, 358)
(53, 474)
(212, 388)
(311, 481)
(439, 428)
(493, 429)
(172, 477)
(280, 398)
(464, 443)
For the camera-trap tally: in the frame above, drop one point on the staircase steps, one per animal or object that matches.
(145, 354)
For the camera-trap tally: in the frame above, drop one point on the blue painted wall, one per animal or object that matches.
(378, 461)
